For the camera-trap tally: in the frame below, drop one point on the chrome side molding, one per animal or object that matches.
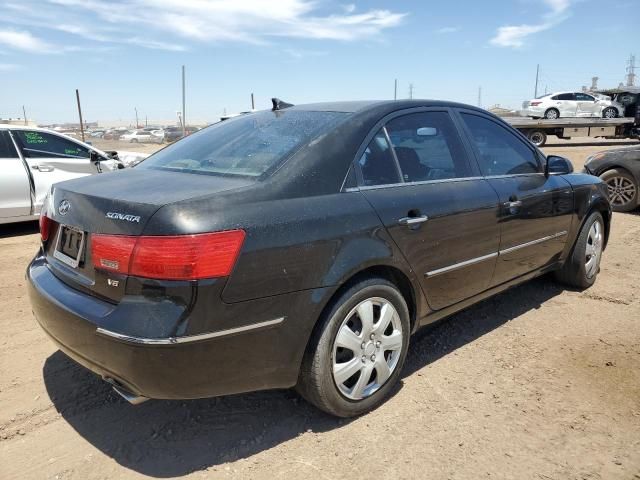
(189, 338)
(456, 266)
(473, 261)
(531, 243)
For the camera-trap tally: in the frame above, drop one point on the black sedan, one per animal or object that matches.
(620, 169)
(303, 246)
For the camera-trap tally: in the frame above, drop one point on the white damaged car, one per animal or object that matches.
(571, 104)
(33, 159)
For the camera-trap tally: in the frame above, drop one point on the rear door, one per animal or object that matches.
(52, 158)
(416, 174)
(535, 210)
(586, 105)
(15, 190)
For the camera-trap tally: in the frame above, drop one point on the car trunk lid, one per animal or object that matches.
(119, 203)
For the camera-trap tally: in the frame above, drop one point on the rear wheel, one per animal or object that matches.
(552, 114)
(582, 266)
(622, 188)
(355, 357)
(537, 137)
(609, 112)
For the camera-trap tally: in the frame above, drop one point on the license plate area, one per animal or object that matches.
(69, 245)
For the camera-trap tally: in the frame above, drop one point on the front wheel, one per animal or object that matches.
(622, 188)
(609, 112)
(581, 268)
(355, 357)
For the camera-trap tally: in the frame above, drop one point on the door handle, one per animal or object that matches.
(409, 221)
(42, 168)
(513, 204)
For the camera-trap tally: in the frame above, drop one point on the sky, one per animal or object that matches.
(125, 55)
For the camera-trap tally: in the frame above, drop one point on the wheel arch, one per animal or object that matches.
(617, 166)
(411, 292)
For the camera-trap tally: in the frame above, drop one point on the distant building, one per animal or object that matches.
(18, 121)
(502, 112)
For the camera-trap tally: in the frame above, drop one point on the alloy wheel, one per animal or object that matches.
(552, 114)
(621, 190)
(609, 113)
(367, 348)
(593, 249)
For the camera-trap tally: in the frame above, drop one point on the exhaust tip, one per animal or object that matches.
(132, 398)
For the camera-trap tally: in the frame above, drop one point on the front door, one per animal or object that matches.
(535, 210)
(439, 212)
(15, 191)
(52, 158)
(586, 106)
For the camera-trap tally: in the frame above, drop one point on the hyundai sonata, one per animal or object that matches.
(303, 247)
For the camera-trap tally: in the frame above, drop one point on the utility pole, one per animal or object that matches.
(24, 113)
(146, 121)
(395, 89)
(137, 123)
(411, 91)
(184, 119)
(80, 114)
(480, 96)
(253, 103)
(631, 71)
(535, 95)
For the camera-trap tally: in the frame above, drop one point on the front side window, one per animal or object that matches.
(37, 144)
(7, 149)
(583, 97)
(377, 164)
(248, 145)
(564, 96)
(427, 147)
(501, 152)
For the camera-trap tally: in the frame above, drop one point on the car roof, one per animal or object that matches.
(361, 106)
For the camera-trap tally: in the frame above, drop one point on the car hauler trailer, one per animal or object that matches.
(537, 130)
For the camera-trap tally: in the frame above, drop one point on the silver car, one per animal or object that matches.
(571, 104)
(32, 159)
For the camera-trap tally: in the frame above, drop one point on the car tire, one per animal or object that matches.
(610, 112)
(578, 271)
(324, 376)
(133, 140)
(622, 188)
(552, 114)
(537, 137)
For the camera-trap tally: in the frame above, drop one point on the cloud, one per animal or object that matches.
(444, 30)
(9, 67)
(24, 41)
(247, 21)
(514, 36)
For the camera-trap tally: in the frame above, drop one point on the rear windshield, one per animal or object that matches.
(249, 145)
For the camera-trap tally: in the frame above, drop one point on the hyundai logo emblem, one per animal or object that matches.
(64, 207)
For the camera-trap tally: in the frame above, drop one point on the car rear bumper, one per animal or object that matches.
(261, 355)
(532, 112)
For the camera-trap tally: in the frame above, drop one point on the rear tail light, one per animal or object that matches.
(535, 104)
(181, 257)
(45, 226)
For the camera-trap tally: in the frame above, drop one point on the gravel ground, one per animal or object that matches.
(538, 382)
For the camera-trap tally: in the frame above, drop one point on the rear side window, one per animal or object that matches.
(377, 164)
(7, 149)
(564, 96)
(501, 152)
(45, 145)
(248, 145)
(428, 147)
(583, 97)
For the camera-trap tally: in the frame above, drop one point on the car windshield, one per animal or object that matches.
(249, 145)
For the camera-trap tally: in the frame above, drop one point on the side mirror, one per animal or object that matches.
(94, 156)
(558, 166)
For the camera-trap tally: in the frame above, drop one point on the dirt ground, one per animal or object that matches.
(537, 383)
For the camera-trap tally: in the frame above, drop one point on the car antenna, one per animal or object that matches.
(279, 104)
